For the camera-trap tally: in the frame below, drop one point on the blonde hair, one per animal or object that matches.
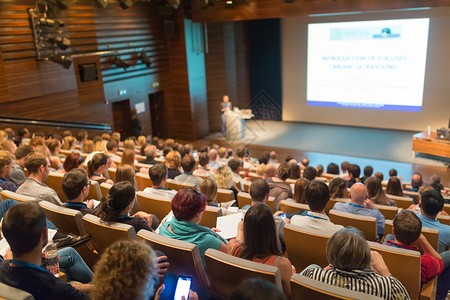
(36, 141)
(3, 136)
(68, 141)
(129, 144)
(116, 137)
(141, 140)
(106, 136)
(223, 178)
(128, 157)
(126, 173)
(173, 160)
(88, 146)
(6, 158)
(124, 271)
(100, 146)
(8, 145)
(170, 143)
(422, 189)
(208, 187)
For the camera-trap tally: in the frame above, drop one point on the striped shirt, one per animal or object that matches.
(386, 287)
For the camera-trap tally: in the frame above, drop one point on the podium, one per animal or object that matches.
(235, 121)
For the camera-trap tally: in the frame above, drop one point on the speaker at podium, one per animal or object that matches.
(235, 120)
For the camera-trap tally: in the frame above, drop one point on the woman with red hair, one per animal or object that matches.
(73, 160)
(188, 206)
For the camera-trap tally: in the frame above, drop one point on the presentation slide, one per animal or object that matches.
(367, 64)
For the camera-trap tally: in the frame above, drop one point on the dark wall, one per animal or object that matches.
(265, 68)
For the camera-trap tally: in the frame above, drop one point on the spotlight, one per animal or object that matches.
(51, 23)
(101, 3)
(125, 3)
(145, 59)
(60, 59)
(120, 63)
(229, 3)
(60, 41)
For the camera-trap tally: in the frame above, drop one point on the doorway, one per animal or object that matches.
(122, 117)
(157, 114)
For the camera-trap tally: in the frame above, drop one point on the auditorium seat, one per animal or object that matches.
(104, 188)
(8, 292)
(153, 205)
(94, 191)
(226, 272)
(104, 234)
(332, 202)
(143, 181)
(366, 224)
(329, 176)
(246, 185)
(303, 287)
(112, 174)
(414, 194)
(405, 266)
(401, 202)
(209, 218)
(431, 234)
(18, 197)
(55, 182)
(244, 199)
(291, 206)
(389, 212)
(447, 208)
(184, 257)
(305, 246)
(224, 195)
(443, 219)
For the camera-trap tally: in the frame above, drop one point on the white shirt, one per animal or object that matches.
(160, 193)
(316, 221)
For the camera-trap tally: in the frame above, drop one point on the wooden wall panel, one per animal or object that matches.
(4, 90)
(268, 9)
(89, 91)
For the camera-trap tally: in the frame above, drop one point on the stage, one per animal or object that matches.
(321, 144)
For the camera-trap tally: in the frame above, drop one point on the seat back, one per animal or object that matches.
(55, 182)
(65, 219)
(368, 225)
(112, 174)
(329, 176)
(254, 176)
(18, 197)
(291, 206)
(403, 264)
(246, 185)
(303, 287)
(153, 205)
(226, 272)
(8, 292)
(389, 212)
(431, 234)
(443, 219)
(209, 218)
(143, 181)
(305, 246)
(104, 188)
(172, 185)
(184, 257)
(243, 199)
(411, 193)
(447, 208)
(104, 234)
(332, 202)
(224, 195)
(94, 191)
(402, 202)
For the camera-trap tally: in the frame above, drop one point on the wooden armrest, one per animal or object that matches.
(428, 290)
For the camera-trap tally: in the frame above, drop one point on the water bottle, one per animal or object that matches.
(51, 259)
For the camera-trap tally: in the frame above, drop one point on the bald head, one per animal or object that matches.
(358, 193)
(416, 180)
(270, 171)
(212, 154)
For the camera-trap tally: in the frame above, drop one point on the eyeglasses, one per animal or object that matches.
(88, 183)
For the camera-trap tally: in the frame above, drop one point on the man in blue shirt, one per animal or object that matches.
(360, 204)
(431, 204)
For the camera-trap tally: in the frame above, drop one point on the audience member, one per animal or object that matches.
(203, 161)
(54, 146)
(69, 143)
(338, 188)
(126, 173)
(273, 159)
(376, 193)
(111, 150)
(416, 207)
(75, 186)
(245, 158)
(256, 289)
(127, 270)
(17, 175)
(317, 196)
(379, 176)
(24, 227)
(333, 168)
(173, 163)
(360, 204)
(38, 166)
(407, 230)
(6, 166)
(73, 160)
(188, 206)
(88, 146)
(304, 163)
(353, 173)
(235, 167)
(97, 166)
(362, 270)
(188, 164)
(116, 207)
(82, 136)
(299, 190)
(223, 156)
(344, 169)
(269, 171)
(128, 158)
(416, 182)
(208, 188)
(256, 240)
(213, 164)
(224, 180)
(158, 176)
(279, 189)
(436, 183)
(392, 173)
(150, 154)
(319, 170)
(309, 173)
(295, 171)
(368, 170)
(394, 187)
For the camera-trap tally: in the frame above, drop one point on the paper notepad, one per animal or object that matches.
(228, 225)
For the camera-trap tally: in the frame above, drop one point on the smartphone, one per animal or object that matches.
(183, 287)
(283, 216)
(195, 154)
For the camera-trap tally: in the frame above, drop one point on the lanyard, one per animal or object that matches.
(315, 217)
(124, 216)
(97, 175)
(161, 189)
(76, 204)
(355, 205)
(18, 263)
